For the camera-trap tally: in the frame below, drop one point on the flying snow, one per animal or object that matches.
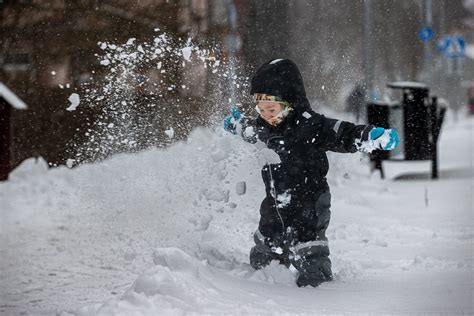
(74, 99)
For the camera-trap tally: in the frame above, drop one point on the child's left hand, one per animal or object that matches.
(385, 139)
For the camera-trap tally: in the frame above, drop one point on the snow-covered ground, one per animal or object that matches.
(164, 232)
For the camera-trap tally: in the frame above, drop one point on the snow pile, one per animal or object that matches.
(179, 283)
(166, 232)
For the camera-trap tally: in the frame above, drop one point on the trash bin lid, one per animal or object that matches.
(384, 103)
(412, 85)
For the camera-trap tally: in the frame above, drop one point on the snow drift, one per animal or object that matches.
(165, 231)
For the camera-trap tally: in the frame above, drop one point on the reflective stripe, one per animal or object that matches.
(336, 126)
(260, 244)
(365, 133)
(309, 244)
(275, 61)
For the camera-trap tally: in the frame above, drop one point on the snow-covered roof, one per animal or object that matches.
(407, 85)
(12, 98)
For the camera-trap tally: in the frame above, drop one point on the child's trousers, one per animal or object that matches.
(295, 236)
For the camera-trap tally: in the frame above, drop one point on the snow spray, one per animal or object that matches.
(145, 95)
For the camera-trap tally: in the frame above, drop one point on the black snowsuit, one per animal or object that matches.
(296, 210)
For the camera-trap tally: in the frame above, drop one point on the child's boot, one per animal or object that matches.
(261, 254)
(313, 264)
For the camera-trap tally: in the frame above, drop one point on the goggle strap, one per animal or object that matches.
(266, 97)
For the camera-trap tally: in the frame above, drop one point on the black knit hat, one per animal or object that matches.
(280, 78)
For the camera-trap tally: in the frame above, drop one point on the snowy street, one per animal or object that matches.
(164, 232)
(223, 157)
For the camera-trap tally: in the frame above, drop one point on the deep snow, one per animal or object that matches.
(165, 232)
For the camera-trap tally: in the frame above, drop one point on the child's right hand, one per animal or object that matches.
(231, 121)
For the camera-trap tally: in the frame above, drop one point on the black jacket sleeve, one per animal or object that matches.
(339, 136)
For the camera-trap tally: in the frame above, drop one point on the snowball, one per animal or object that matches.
(170, 132)
(278, 250)
(249, 132)
(241, 188)
(283, 199)
(105, 62)
(187, 53)
(70, 163)
(74, 99)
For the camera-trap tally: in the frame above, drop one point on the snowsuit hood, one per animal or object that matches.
(280, 78)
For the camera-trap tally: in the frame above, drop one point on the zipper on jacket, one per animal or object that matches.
(273, 189)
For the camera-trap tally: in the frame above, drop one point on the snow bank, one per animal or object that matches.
(166, 232)
(180, 283)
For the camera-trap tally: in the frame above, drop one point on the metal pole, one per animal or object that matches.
(428, 22)
(434, 137)
(368, 57)
(5, 139)
(442, 32)
(232, 42)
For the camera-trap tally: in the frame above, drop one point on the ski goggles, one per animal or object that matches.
(259, 97)
(285, 105)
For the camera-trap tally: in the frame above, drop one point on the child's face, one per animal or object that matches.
(269, 110)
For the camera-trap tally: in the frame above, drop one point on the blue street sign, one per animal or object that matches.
(452, 46)
(426, 34)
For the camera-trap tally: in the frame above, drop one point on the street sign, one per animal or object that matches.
(426, 34)
(452, 46)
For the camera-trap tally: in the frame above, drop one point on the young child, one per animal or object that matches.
(295, 212)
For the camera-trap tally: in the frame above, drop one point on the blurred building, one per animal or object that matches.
(326, 39)
(48, 50)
